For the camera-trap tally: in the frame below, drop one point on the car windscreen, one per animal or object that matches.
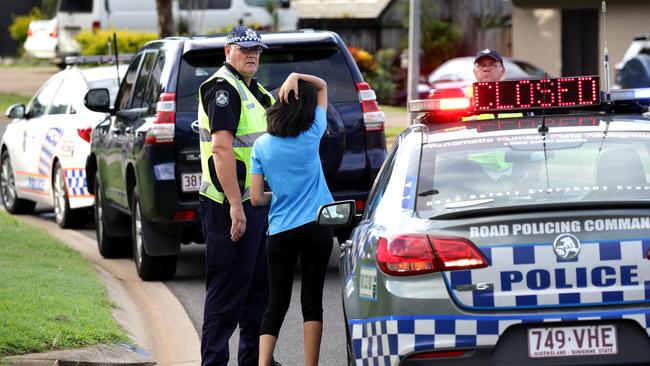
(525, 167)
(326, 62)
(76, 6)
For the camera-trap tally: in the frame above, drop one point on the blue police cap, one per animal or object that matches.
(488, 52)
(243, 36)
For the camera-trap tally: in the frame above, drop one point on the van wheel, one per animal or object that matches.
(109, 246)
(10, 200)
(63, 214)
(150, 268)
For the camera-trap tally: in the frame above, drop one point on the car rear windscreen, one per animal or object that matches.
(76, 6)
(275, 65)
(526, 168)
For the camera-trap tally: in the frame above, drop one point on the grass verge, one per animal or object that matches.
(50, 297)
(393, 108)
(391, 134)
(7, 100)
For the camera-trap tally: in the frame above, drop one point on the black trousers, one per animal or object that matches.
(236, 283)
(313, 245)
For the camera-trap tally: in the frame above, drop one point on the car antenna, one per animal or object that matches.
(605, 51)
(543, 129)
(117, 61)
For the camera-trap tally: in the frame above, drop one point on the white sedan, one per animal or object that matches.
(44, 148)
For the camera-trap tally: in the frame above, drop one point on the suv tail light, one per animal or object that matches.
(414, 254)
(29, 32)
(373, 117)
(84, 133)
(54, 33)
(162, 130)
(96, 26)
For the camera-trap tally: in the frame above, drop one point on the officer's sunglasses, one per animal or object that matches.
(255, 50)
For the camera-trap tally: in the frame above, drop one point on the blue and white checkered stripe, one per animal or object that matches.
(526, 258)
(76, 181)
(383, 341)
(47, 149)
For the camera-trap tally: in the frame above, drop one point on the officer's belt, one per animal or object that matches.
(239, 140)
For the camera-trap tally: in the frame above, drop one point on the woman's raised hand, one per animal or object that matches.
(290, 84)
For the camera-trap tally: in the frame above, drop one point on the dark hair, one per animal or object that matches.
(296, 117)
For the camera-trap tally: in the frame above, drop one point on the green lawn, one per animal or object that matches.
(50, 297)
(392, 108)
(6, 100)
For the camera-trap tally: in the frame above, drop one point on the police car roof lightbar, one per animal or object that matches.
(101, 59)
(629, 94)
(447, 104)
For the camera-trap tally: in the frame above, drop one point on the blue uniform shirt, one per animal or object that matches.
(293, 170)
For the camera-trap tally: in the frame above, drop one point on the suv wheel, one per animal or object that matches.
(10, 200)
(150, 268)
(109, 246)
(64, 216)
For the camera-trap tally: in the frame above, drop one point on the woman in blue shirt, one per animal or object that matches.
(287, 156)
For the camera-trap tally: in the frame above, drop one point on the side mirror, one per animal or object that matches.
(98, 100)
(338, 213)
(16, 111)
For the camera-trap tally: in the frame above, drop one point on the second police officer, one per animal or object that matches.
(231, 116)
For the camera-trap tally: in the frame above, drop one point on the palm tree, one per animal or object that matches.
(165, 20)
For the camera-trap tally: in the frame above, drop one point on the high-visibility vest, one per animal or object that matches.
(252, 124)
(469, 91)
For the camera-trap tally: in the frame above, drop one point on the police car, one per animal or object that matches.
(506, 241)
(44, 148)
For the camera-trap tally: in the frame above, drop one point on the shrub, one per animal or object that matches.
(20, 24)
(127, 41)
(377, 71)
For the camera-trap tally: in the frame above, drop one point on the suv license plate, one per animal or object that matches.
(572, 341)
(191, 182)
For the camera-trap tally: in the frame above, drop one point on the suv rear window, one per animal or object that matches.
(76, 6)
(275, 65)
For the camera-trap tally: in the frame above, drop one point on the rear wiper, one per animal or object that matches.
(430, 192)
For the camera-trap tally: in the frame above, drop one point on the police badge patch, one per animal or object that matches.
(222, 98)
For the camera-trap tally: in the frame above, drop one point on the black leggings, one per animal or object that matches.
(313, 244)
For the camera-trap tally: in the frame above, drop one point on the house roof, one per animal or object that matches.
(336, 9)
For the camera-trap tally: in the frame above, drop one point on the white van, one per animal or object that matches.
(200, 16)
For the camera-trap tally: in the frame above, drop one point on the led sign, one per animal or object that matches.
(536, 94)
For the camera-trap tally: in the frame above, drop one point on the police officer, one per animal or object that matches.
(231, 116)
(488, 67)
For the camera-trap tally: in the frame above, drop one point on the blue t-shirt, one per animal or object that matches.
(292, 168)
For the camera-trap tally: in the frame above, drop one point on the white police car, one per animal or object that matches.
(44, 148)
(507, 241)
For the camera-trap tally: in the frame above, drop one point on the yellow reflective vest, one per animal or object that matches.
(252, 124)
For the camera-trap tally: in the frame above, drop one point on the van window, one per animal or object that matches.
(76, 6)
(325, 61)
(204, 4)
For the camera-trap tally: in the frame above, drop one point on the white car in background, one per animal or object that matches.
(42, 39)
(44, 148)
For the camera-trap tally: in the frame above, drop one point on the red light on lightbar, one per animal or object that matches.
(184, 215)
(439, 354)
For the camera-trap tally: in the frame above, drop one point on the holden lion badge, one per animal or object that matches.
(566, 247)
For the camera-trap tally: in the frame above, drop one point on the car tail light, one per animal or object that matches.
(438, 354)
(162, 131)
(54, 33)
(413, 254)
(29, 32)
(184, 215)
(84, 133)
(373, 117)
(405, 255)
(647, 255)
(457, 253)
(96, 25)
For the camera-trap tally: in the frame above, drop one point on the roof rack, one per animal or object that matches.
(101, 59)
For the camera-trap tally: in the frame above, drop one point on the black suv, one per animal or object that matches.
(144, 166)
